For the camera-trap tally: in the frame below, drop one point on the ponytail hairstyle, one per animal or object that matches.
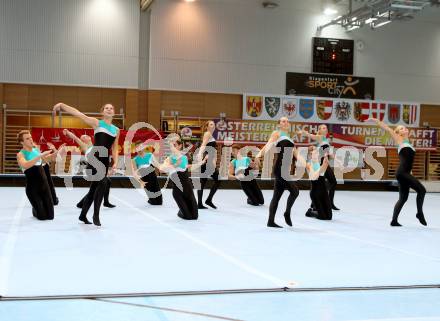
(398, 128)
(205, 125)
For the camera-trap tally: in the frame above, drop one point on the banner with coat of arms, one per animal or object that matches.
(257, 132)
(329, 110)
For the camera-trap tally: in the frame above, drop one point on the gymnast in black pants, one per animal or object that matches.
(281, 140)
(55, 199)
(38, 192)
(46, 168)
(85, 144)
(106, 202)
(143, 169)
(403, 174)
(240, 168)
(318, 193)
(324, 149)
(177, 166)
(106, 138)
(208, 141)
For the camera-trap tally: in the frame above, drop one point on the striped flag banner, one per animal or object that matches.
(409, 114)
(361, 111)
(378, 110)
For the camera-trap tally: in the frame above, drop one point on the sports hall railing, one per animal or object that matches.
(433, 162)
(426, 164)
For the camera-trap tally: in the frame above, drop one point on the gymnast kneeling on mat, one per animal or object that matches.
(240, 168)
(30, 160)
(177, 165)
(319, 193)
(144, 166)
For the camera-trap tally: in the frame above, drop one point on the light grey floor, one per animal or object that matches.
(142, 249)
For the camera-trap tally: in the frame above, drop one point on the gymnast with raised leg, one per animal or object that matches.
(240, 168)
(177, 166)
(324, 148)
(106, 138)
(208, 140)
(318, 194)
(403, 174)
(281, 139)
(30, 160)
(85, 144)
(144, 166)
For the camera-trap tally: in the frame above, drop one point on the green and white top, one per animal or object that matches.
(315, 167)
(283, 136)
(145, 161)
(324, 142)
(241, 164)
(109, 129)
(183, 165)
(404, 144)
(30, 155)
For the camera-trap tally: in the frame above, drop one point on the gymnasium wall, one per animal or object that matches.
(207, 46)
(80, 42)
(142, 105)
(144, 50)
(195, 58)
(237, 46)
(131, 102)
(1, 125)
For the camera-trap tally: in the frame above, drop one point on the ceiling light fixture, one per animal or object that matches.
(380, 24)
(269, 5)
(409, 4)
(330, 11)
(370, 20)
(377, 13)
(145, 4)
(353, 28)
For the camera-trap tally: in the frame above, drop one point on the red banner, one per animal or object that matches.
(42, 136)
(257, 132)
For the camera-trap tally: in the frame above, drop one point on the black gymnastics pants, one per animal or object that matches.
(96, 193)
(253, 192)
(320, 199)
(108, 184)
(185, 200)
(214, 187)
(331, 179)
(280, 186)
(38, 193)
(46, 168)
(407, 181)
(152, 186)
